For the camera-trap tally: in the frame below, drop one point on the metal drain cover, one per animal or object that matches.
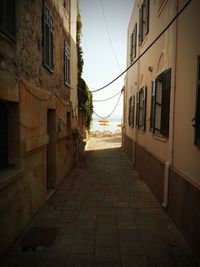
(39, 237)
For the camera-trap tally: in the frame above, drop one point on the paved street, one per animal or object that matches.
(103, 215)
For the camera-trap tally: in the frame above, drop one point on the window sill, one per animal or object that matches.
(9, 176)
(160, 138)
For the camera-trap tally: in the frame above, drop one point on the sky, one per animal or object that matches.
(100, 67)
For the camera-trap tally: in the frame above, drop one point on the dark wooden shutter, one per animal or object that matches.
(51, 41)
(129, 112)
(146, 19)
(3, 136)
(144, 108)
(197, 115)
(135, 41)
(153, 99)
(133, 111)
(166, 88)
(140, 26)
(137, 110)
(8, 18)
(48, 38)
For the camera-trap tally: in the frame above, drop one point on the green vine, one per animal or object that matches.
(85, 103)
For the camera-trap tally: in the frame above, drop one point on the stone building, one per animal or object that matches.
(162, 106)
(38, 106)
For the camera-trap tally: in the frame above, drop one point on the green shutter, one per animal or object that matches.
(166, 88)
(153, 99)
(197, 115)
(8, 18)
(3, 136)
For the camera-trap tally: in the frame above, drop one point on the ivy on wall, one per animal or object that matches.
(85, 103)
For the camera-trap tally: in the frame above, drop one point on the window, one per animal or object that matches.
(197, 115)
(141, 109)
(3, 136)
(8, 18)
(143, 20)
(48, 38)
(133, 45)
(67, 64)
(131, 113)
(160, 104)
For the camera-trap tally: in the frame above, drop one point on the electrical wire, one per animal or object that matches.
(109, 37)
(106, 117)
(144, 52)
(101, 100)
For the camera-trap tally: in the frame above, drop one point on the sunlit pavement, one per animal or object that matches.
(102, 215)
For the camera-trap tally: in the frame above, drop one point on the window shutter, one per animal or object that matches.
(133, 111)
(146, 19)
(67, 63)
(197, 115)
(140, 26)
(3, 136)
(137, 110)
(165, 103)
(10, 18)
(131, 49)
(197, 122)
(46, 36)
(144, 108)
(135, 41)
(153, 99)
(129, 112)
(2, 15)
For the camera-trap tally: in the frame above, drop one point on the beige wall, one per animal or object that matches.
(186, 154)
(177, 49)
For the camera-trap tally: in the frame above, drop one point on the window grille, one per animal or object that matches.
(3, 136)
(48, 38)
(67, 63)
(8, 18)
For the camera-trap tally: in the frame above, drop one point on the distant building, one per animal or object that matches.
(162, 107)
(38, 106)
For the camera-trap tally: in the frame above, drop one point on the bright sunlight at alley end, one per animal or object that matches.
(99, 133)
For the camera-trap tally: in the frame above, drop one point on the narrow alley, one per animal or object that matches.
(102, 215)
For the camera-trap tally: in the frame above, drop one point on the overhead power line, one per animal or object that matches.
(144, 52)
(109, 36)
(108, 98)
(106, 117)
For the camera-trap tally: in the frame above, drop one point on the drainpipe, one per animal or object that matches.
(169, 162)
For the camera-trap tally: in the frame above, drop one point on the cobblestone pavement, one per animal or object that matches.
(106, 217)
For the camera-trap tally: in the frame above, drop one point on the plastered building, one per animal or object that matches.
(38, 106)
(162, 106)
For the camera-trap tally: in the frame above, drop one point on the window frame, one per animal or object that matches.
(66, 63)
(141, 108)
(48, 44)
(143, 20)
(5, 19)
(4, 136)
(196, 119)
(133, 44)
(163, 105)
(131, 113)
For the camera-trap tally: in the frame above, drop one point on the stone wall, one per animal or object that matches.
(40, 143)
